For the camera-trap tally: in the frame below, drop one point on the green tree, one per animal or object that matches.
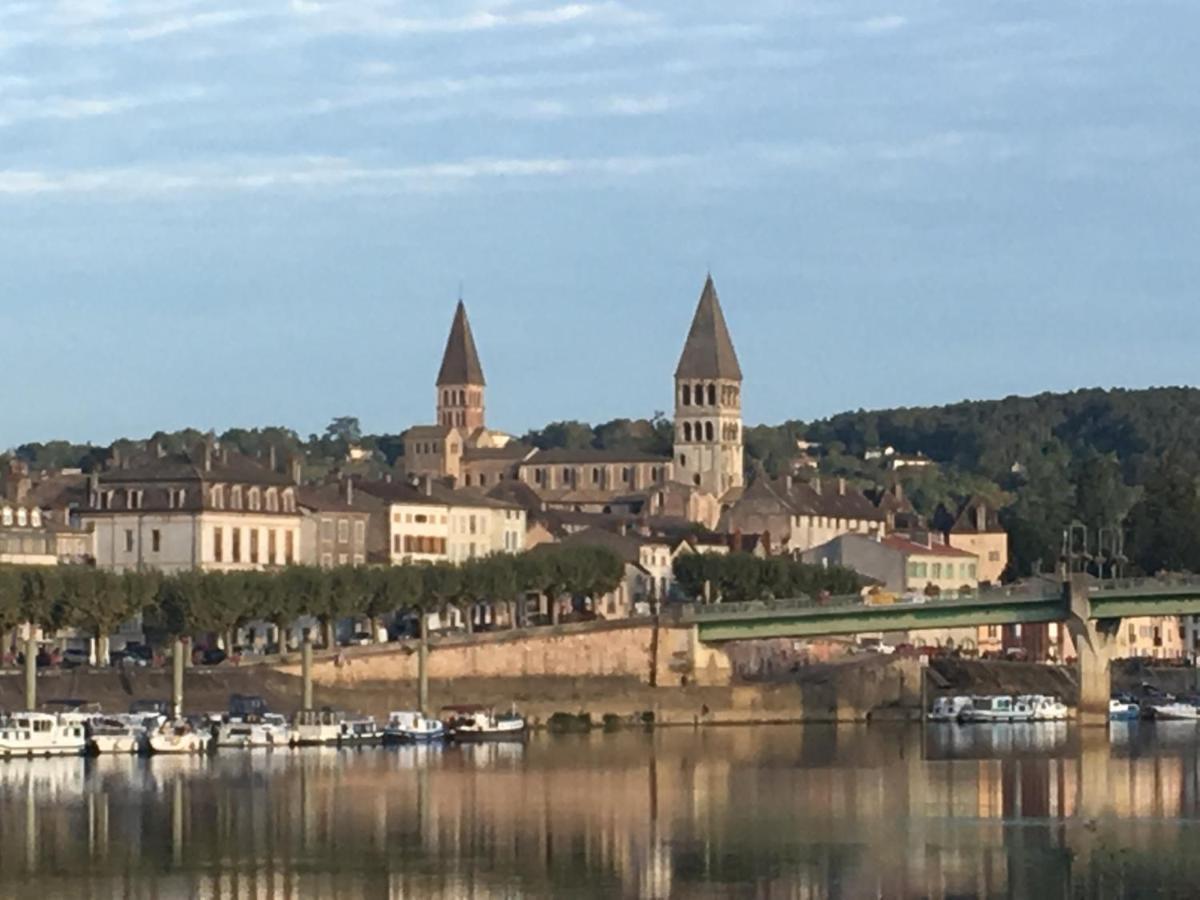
(1164, 526)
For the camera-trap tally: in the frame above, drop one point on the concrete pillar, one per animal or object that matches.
(306, 668)
(31, 651)
(177, 678)
(1095, 648)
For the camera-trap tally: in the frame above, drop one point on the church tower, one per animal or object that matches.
(708, 403)
(460, 380)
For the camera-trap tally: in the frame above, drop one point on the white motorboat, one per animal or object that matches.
(1120, 710)
(359, 730)
(1176, 710)
(40, 734)
(317, 727)
(116, 734)
(179, 736)
(1043, 708)
(412, 727)
(268, 730)
(948, 709)
(1001, 708)
(479, 723)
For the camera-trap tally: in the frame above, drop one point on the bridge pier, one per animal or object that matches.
(1095, 649)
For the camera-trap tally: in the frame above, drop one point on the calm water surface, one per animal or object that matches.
(1016, 810)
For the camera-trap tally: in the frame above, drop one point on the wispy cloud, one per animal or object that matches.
(880, 24)
(376, 19)
(315, 172)
(68, 108)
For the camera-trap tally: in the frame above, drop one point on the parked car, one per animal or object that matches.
(74, 657)
(132, 653)
(209, 656)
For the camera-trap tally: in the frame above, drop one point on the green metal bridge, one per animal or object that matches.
(847, 615)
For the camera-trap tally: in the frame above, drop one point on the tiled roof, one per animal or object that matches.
(912, 548)
(460, 362)
(563, 456)
(332, 498)
(708, 351)
(438, 494)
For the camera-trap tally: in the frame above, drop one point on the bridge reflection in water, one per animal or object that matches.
(819, 811)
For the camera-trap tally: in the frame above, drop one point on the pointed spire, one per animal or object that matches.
(708, 352)
(460, 362)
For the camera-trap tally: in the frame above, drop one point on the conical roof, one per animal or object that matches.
(460, 362)
(708, 352)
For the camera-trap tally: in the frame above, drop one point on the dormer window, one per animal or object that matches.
(272, 500)
(35, 518)
(217, 495)
(255, 499)
(7, 516)
(289, 501)
(133, 499)
(21, 520)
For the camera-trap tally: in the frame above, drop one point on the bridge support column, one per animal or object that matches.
(1095, 648)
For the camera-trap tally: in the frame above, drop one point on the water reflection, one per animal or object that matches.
(795, 812)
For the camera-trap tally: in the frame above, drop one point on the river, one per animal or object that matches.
(772, 811)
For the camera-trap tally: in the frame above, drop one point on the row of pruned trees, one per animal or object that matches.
(196, 602)
(739, 577)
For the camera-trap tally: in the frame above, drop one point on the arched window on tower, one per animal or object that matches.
(686, 395)
(462, 398)
(712, 395)
(698, 393)
(708, 431)
(687, 431)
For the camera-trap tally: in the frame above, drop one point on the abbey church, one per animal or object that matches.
(703, 476)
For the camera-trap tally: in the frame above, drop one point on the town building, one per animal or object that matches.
(799, 514)
(335, 525)
(38, 517)
(210, 510)
(430, 521)
(901, 565)
(975, 527)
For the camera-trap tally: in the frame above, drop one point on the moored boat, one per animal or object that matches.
(948, 709)
(317, 727)
(258, 731)
(40, 734)
(116, 734)
(359, 730)
(412, 727)
(1176, 710)
(179, 736)
(1001, 708)
(1043, 708)
(480, 723)
(1122, 709)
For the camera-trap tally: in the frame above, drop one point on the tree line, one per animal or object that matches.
(191, 603)
(739, 577)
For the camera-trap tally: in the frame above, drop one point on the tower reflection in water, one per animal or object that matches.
(805, 812)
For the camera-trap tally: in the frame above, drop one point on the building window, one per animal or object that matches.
(289, 547)
(482, 480)
(21, 519)
(626, 474)
(472, 528)
(35, 518)
(235, 497)
(360, 533)
(289, 501)
(396, 543)
(271, 551)
(235, 535)
(254, 545)
(343, 559)
(128, 540)
(937, 571)
(343, 530)
(687, 431)
(359, 559)
(326, 529)
(272, 501)
(994, 556)
(698, 393)
(327, 560)
(254, 500)
(218, 545)
(712, 395)
(217, 497)
(7, 516)
(708, 431)
(686, 392)
(595, 476)
(155, 540)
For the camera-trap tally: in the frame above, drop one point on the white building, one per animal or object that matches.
(215, 511)
(430, 522)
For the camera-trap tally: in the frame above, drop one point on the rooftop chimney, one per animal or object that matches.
(788, 483)
(271, 460)
(980, 517)
(841, 487)
(816, 485)
(297, 469)
(349, 492)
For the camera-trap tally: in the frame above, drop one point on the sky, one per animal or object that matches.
(218, 214)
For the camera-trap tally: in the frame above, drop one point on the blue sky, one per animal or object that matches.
(217, 213)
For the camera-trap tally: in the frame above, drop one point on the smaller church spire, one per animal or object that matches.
(460, 362)
(708, 351)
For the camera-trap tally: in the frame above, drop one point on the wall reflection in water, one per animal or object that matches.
(793, 812)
